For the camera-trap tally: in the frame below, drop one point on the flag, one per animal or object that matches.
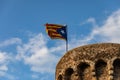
(56, 31)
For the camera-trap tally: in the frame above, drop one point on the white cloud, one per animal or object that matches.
(108, 32)
(10, 42)
(2, 73)
(111, 28)
(8, 76)
(36, 54)
(35, 76)
(3, 68)
(4, 60)
(90, 20)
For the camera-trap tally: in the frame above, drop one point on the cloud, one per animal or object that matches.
(7, 76)
(108, 32)
(36, 54)
(89, 20)
(111, 28)
(10, 42)
(35, 76)
(3, 68)
(4, 60)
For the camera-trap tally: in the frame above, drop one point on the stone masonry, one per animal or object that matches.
(90, 62)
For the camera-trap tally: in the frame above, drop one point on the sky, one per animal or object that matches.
(28, 53)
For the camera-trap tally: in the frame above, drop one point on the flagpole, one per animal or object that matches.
(66, 38)
(66, 45)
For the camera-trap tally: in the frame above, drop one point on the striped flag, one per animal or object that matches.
(56, 31)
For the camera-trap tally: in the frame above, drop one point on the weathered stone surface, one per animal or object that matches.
(90, 62)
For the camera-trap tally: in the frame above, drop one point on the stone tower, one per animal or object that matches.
(90, 62)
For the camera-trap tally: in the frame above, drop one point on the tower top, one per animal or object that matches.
(88, 55)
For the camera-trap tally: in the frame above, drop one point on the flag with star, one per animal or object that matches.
(56, 31)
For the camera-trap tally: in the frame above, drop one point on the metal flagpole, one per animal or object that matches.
(66, 45)
(66, 38)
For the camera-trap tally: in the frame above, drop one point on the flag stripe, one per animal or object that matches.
(54, 25)
(52, 30)
(53, 34)
(57, 37)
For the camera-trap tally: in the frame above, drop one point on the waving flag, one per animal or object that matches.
(56, 31)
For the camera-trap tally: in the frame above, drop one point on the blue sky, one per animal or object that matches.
(27, 52)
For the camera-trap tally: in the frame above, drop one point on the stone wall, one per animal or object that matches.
(90, 62)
